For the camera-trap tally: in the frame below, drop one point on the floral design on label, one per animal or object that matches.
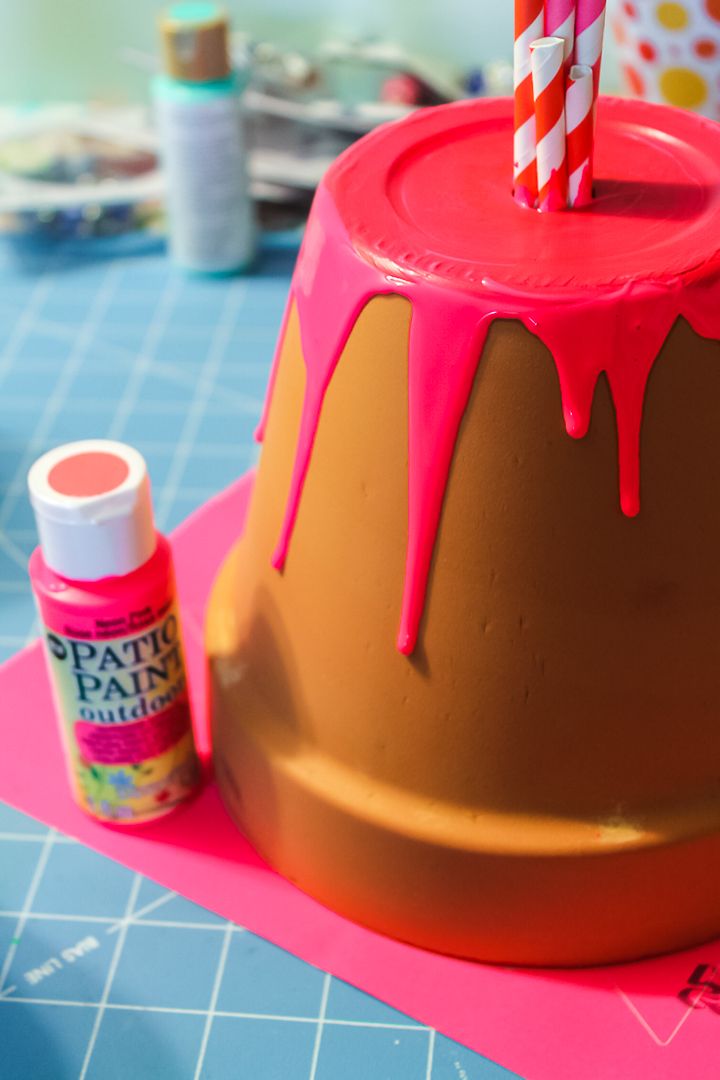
(125, 719)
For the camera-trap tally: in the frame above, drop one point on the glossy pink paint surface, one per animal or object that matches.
(83, 606)
(422, 209)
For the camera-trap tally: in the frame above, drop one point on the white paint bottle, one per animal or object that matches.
(198, 106)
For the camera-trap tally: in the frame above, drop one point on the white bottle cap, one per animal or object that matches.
(93, 509)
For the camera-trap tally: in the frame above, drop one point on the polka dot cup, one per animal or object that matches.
(669, 51)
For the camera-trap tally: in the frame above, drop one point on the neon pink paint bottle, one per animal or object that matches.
(105, 587)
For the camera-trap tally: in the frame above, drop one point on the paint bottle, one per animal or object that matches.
(105, 589)
(200, 122)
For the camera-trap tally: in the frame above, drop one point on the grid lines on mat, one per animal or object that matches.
(105, 974)
(119, 957)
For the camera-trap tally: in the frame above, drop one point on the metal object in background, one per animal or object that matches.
(80, 172)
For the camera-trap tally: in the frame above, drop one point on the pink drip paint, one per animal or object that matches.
(329, 281)
(613, 324)
(556, 198)
(524, 196)
(584, 192)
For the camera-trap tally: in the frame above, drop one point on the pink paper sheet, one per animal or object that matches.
(621, 1022)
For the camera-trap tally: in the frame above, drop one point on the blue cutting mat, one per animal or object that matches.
(104, 974)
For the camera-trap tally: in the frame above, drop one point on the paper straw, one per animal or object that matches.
(560, 22)
(528, 26)
(548, 75)
(579, 99)
(589, 30)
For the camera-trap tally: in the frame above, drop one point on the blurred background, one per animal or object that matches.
(79, 150)
(59, 50)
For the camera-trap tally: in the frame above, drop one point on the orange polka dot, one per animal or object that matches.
(629, 9)
(706, 49)
(683, 87)
(674, 16)
(646, 50)
(713, 9)
(634, 80)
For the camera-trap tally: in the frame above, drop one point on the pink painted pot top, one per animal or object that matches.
(423, 209)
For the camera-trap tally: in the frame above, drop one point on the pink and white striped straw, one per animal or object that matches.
(580, 135)
(528, 26)
(560, 22)
(548, 75)
(589, 30)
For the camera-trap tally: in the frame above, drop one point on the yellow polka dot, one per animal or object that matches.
(683, 87)
(671, 15)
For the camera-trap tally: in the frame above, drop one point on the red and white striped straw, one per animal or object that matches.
(560, 22)
(589, 30)
(579, 98)
(528, 26)
(547, 56)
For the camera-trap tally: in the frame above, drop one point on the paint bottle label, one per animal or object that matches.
(124, 713)
(210, 210)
